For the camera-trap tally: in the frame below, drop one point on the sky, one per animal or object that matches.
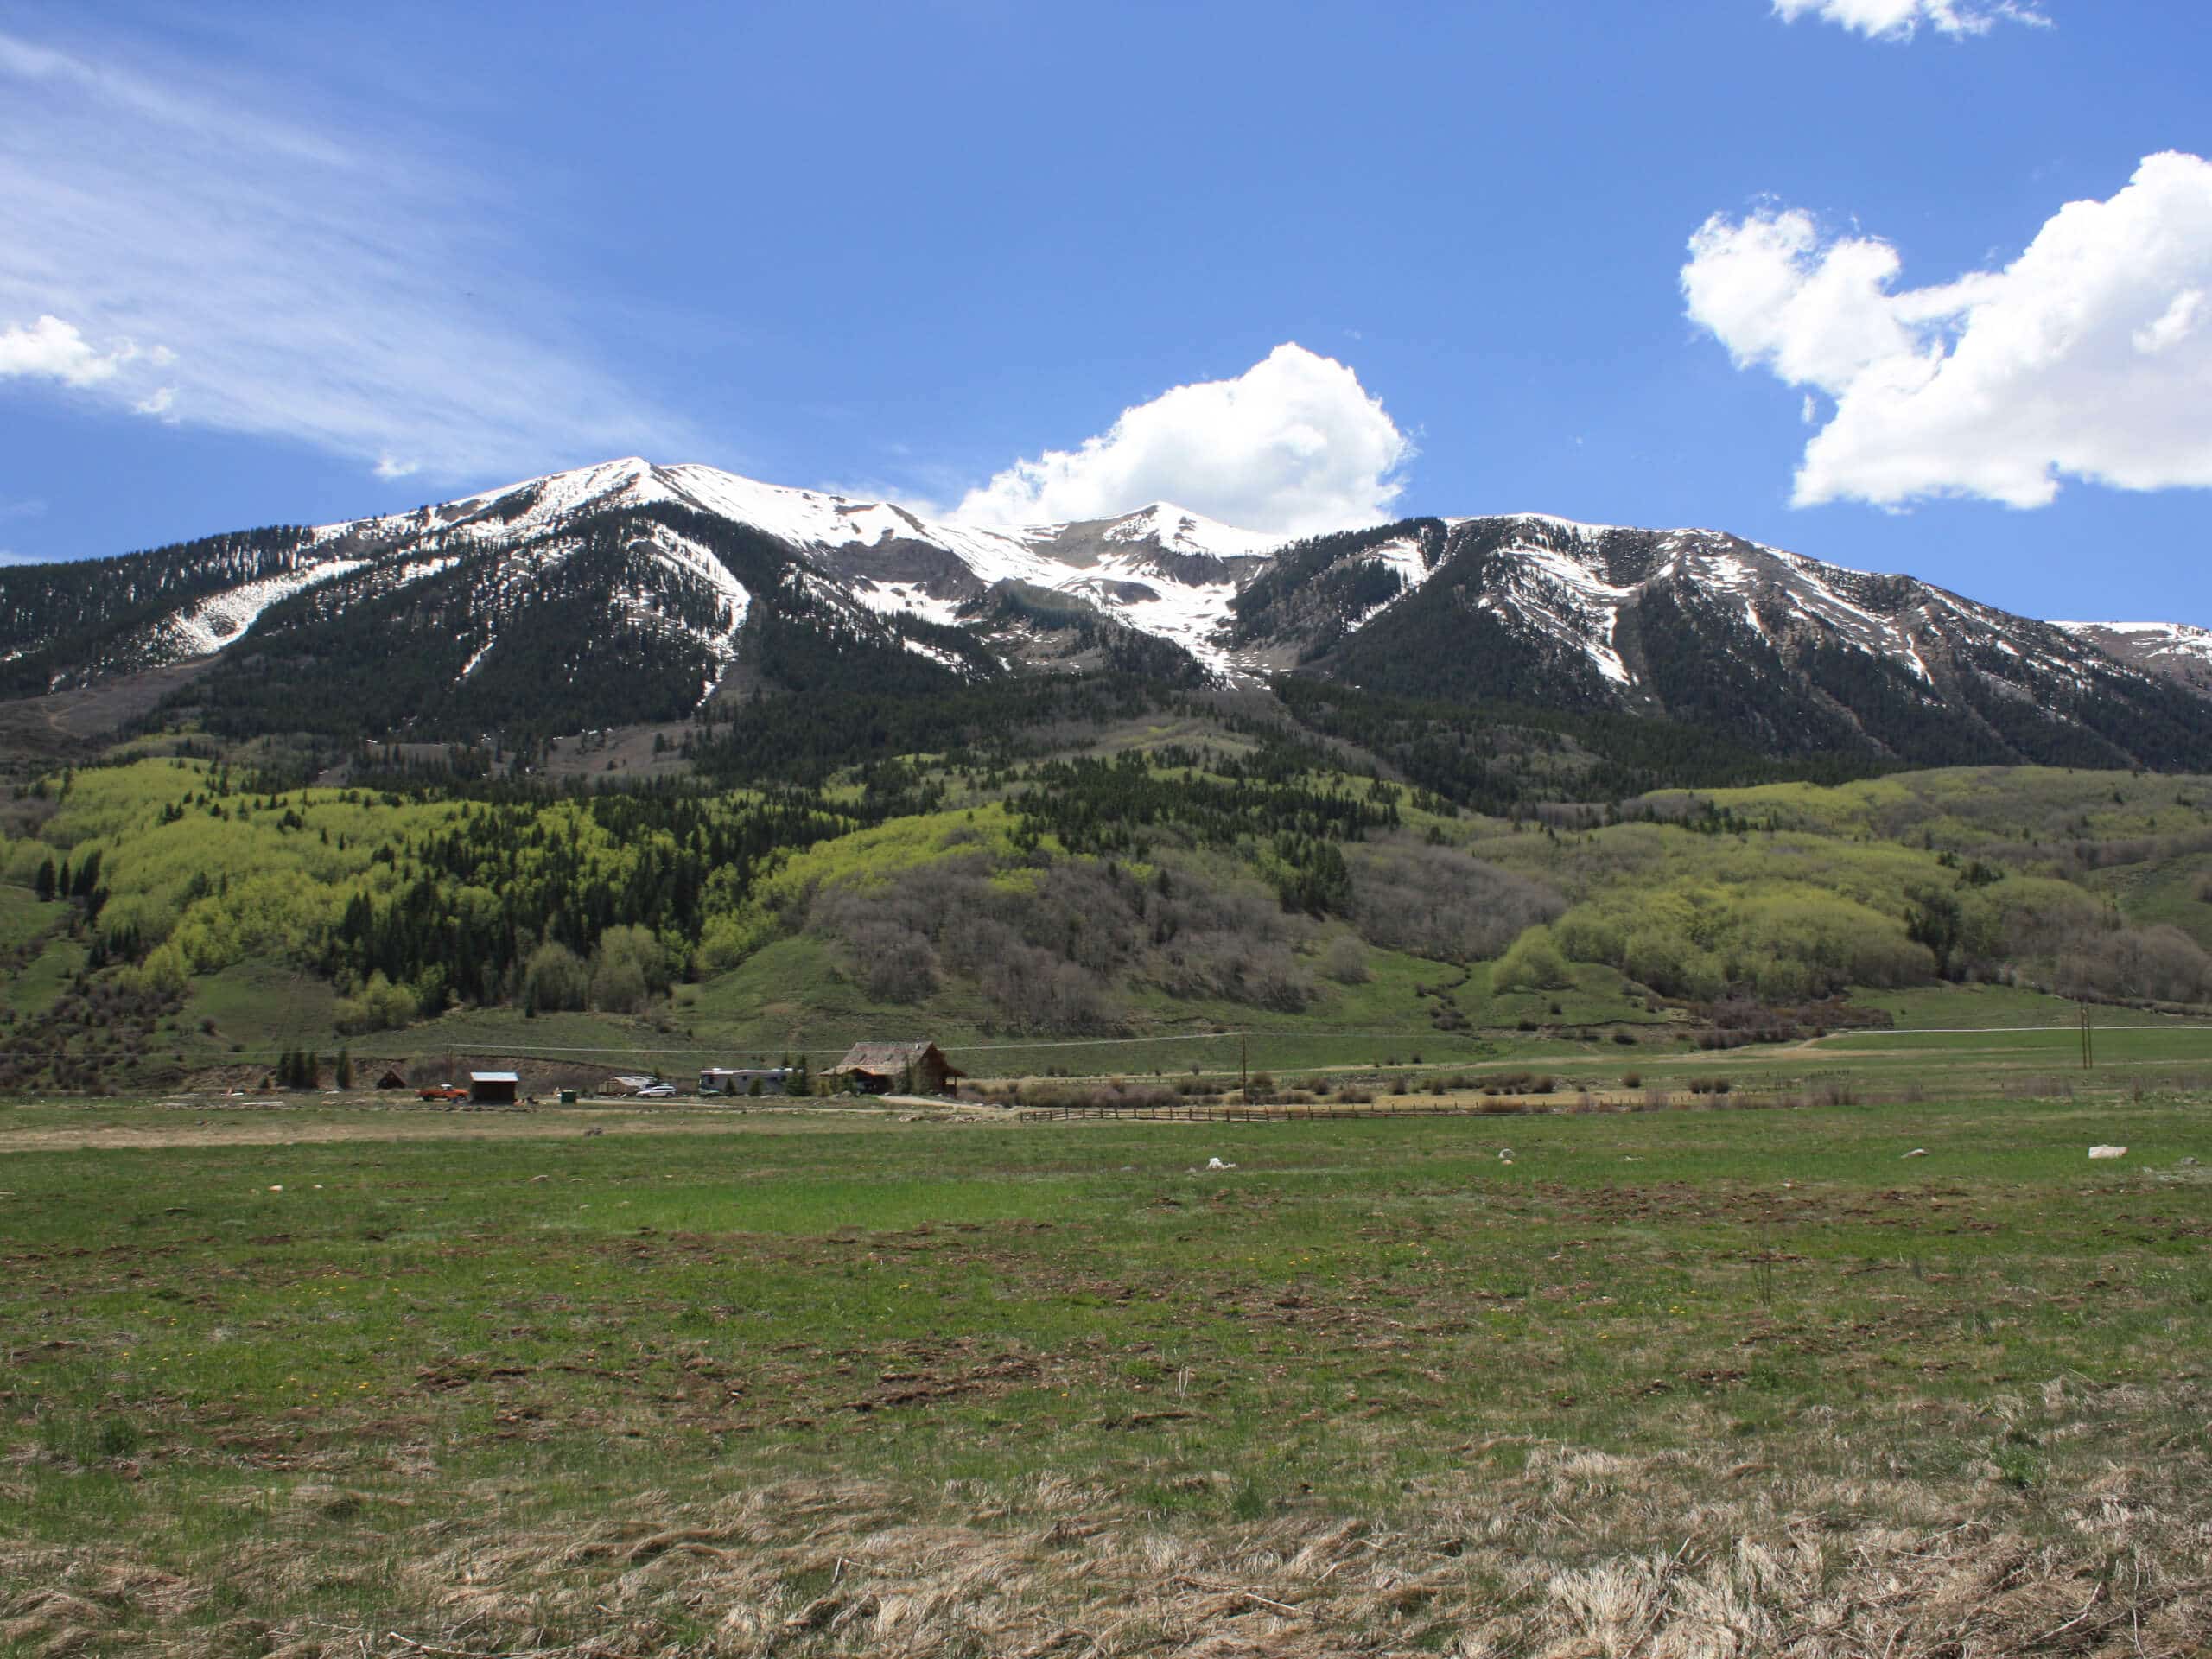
(1911, 285)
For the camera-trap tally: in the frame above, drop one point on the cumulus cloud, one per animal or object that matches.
(1900, 20)
(310, 271)
(1294, 445)
(54, 350)
(2087, 357)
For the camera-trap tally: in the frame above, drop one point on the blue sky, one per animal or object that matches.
(290, 262)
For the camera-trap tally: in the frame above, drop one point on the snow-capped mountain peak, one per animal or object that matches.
(692, 568)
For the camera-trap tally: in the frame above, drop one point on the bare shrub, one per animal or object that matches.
(1345, 961)
(2161, 964)
(1439, 903)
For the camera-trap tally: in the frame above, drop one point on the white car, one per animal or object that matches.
(657, 1091)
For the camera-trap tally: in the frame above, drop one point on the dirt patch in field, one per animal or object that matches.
(280, 1126)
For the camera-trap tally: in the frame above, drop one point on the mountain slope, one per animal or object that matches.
(1781, 651)
(630, 592)
(2174, 649)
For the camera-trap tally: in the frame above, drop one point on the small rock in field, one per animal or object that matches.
(1917, 1152)
(2107, 1152)
(1216, 1163)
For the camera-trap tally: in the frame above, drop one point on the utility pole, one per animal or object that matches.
(2089, 1038)
(1244, 1067)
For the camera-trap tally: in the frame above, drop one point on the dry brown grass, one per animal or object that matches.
(1575, 1555)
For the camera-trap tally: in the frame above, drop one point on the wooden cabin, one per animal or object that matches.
(888, 1068)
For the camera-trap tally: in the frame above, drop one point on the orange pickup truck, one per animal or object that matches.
(442, 1091)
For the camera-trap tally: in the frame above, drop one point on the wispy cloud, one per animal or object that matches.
(202, 253)
(1900, 20)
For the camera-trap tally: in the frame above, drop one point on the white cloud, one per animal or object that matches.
(2088, 357)
(1293, 445)
(310, 274)
(1900, 20)
(54, 350)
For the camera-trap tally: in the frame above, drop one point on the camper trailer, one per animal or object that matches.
(725, 1080)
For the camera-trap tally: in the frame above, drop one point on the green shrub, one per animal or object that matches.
(1533, 963)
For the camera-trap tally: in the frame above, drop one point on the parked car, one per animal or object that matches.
(442, 1092)
(658, 1091)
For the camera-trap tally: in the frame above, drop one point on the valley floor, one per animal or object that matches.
(327, 1379)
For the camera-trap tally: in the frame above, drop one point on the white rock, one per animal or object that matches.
(2107, 1152)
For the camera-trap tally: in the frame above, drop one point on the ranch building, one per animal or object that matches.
(493, 1088)
(882, 1068)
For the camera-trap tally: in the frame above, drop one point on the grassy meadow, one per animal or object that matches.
(330, 1381)
(1747, 1290)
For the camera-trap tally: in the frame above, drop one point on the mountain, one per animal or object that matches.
(1780, 653)
(630, 592)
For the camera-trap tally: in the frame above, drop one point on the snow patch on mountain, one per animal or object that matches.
(2177, 649)
(1565, 598)
(219, 620)
(2152, 638)
(905, 599)
(1178, 529)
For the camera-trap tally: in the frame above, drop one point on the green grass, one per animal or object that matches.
(23, 920)
(262, 1005)
(34, 989)
(345, 1358)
